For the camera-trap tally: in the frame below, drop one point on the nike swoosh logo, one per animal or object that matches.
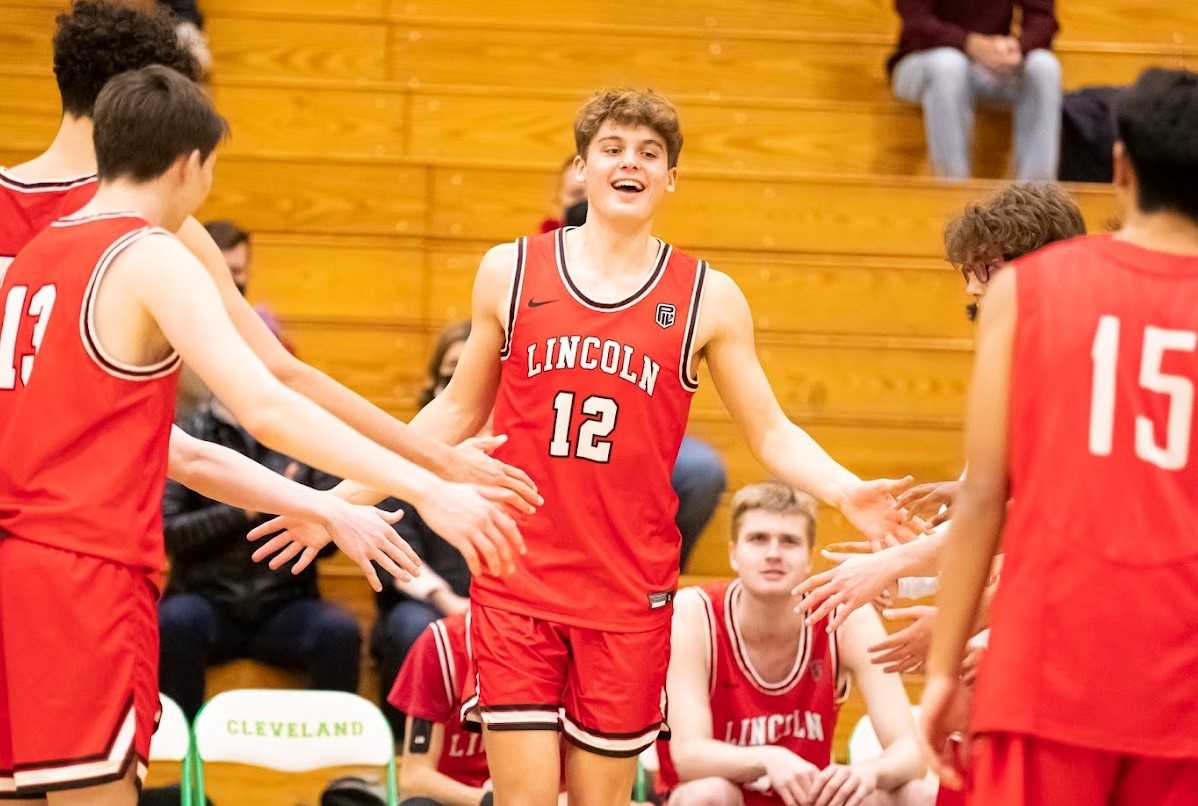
(537, 303)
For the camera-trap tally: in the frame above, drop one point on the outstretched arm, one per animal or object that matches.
(976, 526)
(462, 463)
(363, 533)
(786, 450)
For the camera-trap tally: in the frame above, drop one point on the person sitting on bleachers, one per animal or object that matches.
(236, 248)
(755, 689)
(220, 605)
(953, 53)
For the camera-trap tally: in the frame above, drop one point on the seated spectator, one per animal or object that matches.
(234, 243)
(953, 53)
(570, 201)
(755, 689)
(220, 605)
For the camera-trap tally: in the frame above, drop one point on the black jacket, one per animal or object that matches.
(206, 543)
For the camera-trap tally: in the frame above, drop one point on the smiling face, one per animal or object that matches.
(626, 172)
(771, 551)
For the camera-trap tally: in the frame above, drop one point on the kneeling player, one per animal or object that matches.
(754, 690)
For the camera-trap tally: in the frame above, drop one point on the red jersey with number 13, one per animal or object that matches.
(594, 398)
(1093, 639)
(84, 435)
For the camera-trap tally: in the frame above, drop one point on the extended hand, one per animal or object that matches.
(937, 726)
(927, 500)
(474, 521)
(471, 463)
(839, 591)
(907, 649)
(872, 508)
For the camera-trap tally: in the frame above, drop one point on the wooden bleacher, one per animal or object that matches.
(379, 146)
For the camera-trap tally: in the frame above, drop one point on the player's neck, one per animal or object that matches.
(614, 249)
(147, 199)
(767, 621)
(1163, 231)
(71, 154)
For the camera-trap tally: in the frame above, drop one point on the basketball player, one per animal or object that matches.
(96, 40)
(99, 309)
(1013, 222)
(586, 341)
(1080, 416)
(755, 689)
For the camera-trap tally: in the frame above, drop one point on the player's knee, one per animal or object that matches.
(337, 629)
(183, 617)
(707, 792)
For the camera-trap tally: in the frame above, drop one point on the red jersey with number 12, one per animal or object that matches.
(1094, 631)
(594, 398)
(84, 435)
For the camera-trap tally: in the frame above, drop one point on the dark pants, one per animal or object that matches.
(698, 480)
(394, 635)
(307, 634)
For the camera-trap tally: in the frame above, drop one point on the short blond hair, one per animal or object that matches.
(776, 497)
(629, 107)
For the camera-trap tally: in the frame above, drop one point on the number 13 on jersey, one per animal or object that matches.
(40, 306)
(1174, 454)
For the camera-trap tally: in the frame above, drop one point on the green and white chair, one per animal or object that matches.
(172, 742)
(292, 731)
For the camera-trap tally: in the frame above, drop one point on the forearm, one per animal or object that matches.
(426, 782)
(965, 568)
(899, 764)
(708, 758)
(446, 420)
(789, 453)
(919, 558)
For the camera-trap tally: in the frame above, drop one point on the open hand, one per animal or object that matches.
(872, 507)
(907, 649)
(839, 591)
(471, 463)
(927, 500)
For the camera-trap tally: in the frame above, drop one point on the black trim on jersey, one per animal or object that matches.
(514, 302)
(663, 254)
(45, 186)
(590, 748)
(686, 376)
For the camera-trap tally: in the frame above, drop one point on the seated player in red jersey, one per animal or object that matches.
(585, 342)
(1081, 417)
(755, 690)
(98, 39)
(99, 310)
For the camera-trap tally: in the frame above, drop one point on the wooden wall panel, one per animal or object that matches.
(30, 111)
(284, 47)
(277, 195)
(315, 122)
(290, 9)
(25, 35)
(339, 278)
(1149, 21)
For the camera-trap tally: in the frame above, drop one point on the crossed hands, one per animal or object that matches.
(798, 782)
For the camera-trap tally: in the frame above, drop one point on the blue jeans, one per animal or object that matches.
(306, 634)
(698, 480)
(394, 635)
(947, 84)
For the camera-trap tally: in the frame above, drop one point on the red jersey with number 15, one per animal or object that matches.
(1094, 631)
(594, 398)
(84, 435)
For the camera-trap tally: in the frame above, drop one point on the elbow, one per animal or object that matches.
(289, 370)
(265, 418)
(686, 761)
(412, 780)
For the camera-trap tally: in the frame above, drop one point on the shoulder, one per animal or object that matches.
(495, 269)
(692, 608)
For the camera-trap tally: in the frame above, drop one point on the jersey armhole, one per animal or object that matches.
(87, 318)
(842, 682)
(710, 635)
(445, 661)
(514, 298)
(686, 374)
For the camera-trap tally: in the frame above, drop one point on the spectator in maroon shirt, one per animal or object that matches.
(954, 53)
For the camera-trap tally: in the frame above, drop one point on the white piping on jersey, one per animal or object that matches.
(608, 744)
(517, 287)
(741, 651)
(660, 261)
(122, 746)
(45, 186)
(445, 657)
(709, 625)
(70, 221)
(686, 377)
(87, 318)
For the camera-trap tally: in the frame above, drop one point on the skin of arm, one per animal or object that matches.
(463, 464)
(886, 703)
(786, 450)
(976, 527)
(419, 777)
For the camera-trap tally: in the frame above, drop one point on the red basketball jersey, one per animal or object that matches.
(84, 436)
(429, 686)
(797, 712)
(26, 208)
(1094, 627)
(594, 398)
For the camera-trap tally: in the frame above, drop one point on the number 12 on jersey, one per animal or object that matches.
(600, 419)
(1175, 453)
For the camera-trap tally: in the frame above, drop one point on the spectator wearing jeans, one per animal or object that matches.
(954, 53)
(220, 605)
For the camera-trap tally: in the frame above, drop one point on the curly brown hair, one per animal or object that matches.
(629, 107)
(97, 40)
(1012, 222)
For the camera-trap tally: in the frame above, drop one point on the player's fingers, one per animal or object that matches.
(285, 556)
(511, 542)
(939, 518)
(829, 786)
(904, 613)
(471, 557)
(858, 796)
(268, 548)
(918, 492)
(810, 584)
(398, 550)
(892, 641)
(390, 517)
(389, 565)
(397, 557)
(898, 486)
(488, 553)
(827, 601)
(840, 614)
(371, 575)
(791, 794)
(305, 560)
(487, 444)
(270, 527)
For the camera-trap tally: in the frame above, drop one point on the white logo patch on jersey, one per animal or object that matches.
(666, 313)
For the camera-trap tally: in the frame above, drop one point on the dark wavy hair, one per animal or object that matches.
(1158, 125)
(1013, 222)
(97, 40)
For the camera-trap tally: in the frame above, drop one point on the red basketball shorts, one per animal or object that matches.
(1009, 769)
(604, 691)
(78, 669)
